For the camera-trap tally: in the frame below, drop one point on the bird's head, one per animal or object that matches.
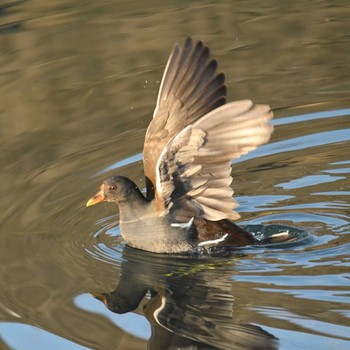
(114, 189)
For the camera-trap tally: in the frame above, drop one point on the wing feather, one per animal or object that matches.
(194, 170)
(190, 88)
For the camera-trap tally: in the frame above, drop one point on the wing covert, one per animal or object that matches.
(193, 170)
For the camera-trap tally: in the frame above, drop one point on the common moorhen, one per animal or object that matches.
(189, 145)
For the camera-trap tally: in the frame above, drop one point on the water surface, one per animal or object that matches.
(78, 86)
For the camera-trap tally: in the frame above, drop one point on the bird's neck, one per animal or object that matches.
(134, 205)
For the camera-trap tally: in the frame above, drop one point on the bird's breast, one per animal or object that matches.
(156, 234)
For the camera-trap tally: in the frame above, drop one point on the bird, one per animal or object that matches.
(190, 143)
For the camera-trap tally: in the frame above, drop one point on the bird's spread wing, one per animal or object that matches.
(193, 170)
(190, 88)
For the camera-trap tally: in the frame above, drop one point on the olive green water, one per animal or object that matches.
(78, 84)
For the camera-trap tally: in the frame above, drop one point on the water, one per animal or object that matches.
(78, 86)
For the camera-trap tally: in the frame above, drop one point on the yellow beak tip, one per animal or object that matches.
(90, 202)
(94, 200)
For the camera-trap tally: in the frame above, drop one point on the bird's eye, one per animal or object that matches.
(112, 188)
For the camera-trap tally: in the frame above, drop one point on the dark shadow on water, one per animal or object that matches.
(9, 27)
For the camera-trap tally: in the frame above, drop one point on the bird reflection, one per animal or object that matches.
(190, 303)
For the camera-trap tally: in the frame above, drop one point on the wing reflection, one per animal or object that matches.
(190, 304)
